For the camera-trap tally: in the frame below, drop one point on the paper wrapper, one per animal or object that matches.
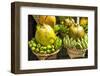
(76, 53)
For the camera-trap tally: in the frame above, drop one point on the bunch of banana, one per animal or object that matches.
(79, 43)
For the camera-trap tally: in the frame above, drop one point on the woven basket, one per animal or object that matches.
(47, 56)
(76, 53)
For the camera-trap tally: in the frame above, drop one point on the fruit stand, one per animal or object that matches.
(57, 37)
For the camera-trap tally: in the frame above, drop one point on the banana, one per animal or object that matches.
(74, 43)
(66, 41)
(82, 43)
(80, 46)
(86, 43)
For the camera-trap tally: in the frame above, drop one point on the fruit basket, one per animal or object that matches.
(47, 56)
(44, 52)
(76, 53)
(45, 44)
(74, 32)
(75, 48)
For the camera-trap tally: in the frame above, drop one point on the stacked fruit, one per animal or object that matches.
(45, 41)
(51, 31)
(47, 49)
(76, 38)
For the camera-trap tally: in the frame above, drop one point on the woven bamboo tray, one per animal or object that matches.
(76, 53)
(46, 56)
